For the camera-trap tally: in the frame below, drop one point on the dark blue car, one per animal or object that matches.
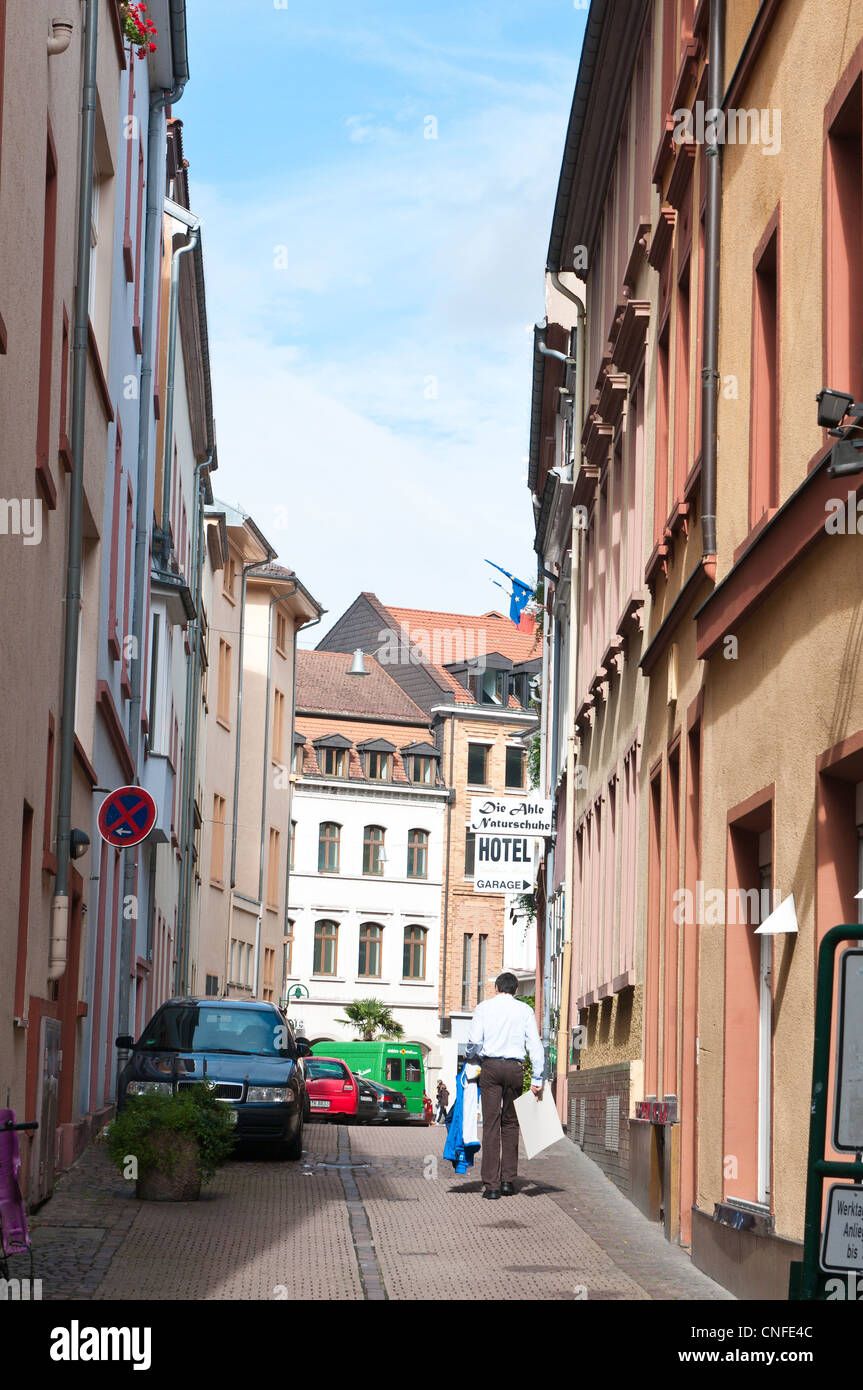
(246, 1049)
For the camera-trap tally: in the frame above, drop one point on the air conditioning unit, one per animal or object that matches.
(446, 1027)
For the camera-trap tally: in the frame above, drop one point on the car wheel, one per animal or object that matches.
(293, 1149)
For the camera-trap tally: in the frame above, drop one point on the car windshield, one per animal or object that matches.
(213, 1028)
(319, 1070)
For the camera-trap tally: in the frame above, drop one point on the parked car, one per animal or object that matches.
(368, 1108)
(392, 1104)
(332, 1088)
(246, 1049)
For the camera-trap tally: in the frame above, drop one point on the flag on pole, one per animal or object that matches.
(519, 595)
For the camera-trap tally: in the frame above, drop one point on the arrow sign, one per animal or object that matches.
(126, 816)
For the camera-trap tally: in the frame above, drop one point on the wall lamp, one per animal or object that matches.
(79, 843)
(847, 454)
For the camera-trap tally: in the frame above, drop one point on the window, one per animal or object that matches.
(48, 861)
(281, 634)
(394, 1069)
(297, 758)
(292, 840)
(469, 853)
(481, 968)
(423, 770)
(223, 709)
(212, 986)
(660, 503)
(328, 848)
(369, 962)
(46, 343)
(378, 766)
(465, 970)
(288, 950)
(273, 869)
(278, 727)
(335, 762)
(515, 768)
(413, 1071)
(477, 764)
(229, 579)
(373, 847)
(843, 246)
(414, 965)
(269, 986)
(23, 911)
(217, 851)
(681, 386)
(326, 948)
(764, 442)
(418, 844)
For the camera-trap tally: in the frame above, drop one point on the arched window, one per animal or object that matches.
(418, 853)
(326, 948)
(328, 847)
(369, 962)
(373, 849)
(414, 967)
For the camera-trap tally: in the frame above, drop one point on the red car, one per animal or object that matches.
(331, 1088)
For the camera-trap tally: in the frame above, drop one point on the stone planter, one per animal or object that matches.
(183, 1183)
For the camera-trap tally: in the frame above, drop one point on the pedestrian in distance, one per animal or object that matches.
(502, 1029)
(442, 1102)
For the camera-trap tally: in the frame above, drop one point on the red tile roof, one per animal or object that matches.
(482, 635)
(324, 686)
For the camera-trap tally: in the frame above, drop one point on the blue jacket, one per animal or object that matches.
(459, 1154)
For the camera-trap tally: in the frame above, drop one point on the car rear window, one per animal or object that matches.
(214, 1028)
(320, 1070)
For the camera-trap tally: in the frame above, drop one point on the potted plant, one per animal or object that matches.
(138, 28)
(171, 1144)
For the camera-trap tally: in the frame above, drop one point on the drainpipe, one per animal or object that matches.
(190, 725)
(297, 630)
(163, 540)
(576, 544)
(265, 778)
(60, 904)
(447, 873)
(710, 369)
(151, 272)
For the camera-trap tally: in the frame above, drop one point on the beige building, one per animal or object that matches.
(257, 609)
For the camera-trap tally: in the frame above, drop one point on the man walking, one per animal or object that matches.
(502, 1030)
(442, 1102)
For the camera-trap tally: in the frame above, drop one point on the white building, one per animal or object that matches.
(365, 886)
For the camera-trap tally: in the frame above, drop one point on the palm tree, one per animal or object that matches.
(372, 1020)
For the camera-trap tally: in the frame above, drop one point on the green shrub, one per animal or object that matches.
(193, 1113)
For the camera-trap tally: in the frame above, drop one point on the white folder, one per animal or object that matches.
(538, 1121)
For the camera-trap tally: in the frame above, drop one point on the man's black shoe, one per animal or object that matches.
(507, 1189)
(491, 1193)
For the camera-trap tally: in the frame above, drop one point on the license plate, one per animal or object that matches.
(320, 1104)
(398, 1107)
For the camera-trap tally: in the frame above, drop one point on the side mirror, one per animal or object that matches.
(304, 1047)
(125, 1040)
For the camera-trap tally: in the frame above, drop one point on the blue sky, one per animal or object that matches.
(371, 289)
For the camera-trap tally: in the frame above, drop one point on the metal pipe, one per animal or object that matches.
(60, 904)
(710, 370)
(164, 537)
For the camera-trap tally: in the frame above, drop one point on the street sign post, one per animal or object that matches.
(842, 1243)
(126, 816)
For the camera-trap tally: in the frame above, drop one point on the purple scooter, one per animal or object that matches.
(14, 1236)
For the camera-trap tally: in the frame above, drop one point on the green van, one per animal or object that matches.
(395, 1064)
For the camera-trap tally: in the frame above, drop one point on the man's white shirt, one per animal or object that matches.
(504, 1026)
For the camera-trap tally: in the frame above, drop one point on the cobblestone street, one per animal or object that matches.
(369, 1213)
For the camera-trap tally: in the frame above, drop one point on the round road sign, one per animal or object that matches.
(127, 816)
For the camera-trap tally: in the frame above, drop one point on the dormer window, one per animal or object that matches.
(379, 767)
(334, 762)
(423, 771)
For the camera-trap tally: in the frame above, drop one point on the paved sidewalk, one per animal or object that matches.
(370, 1213)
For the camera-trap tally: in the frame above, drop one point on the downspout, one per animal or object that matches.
(447, 872)
(163, 541)
(576, 541)
(60, 904)
(151, 273)
(710, 369)
(297, 630)
(265, 777)
(190, 725)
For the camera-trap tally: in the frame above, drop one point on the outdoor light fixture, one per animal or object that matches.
(79, 843)
(358, 665)
(833, 406)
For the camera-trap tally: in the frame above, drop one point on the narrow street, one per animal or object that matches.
(370, 1213)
